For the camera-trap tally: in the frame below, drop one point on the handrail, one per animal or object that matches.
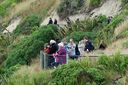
(43, 58)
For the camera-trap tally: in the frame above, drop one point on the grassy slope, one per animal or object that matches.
(28, 7)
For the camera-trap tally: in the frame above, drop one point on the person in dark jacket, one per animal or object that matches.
(52, 49)
(55, 22)
(102, 45)
(89, 46)
(50, 21)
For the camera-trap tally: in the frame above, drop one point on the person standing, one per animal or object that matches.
(71, 48)
(88, 45)
(55, 21)
(81, 46)
(50, 21)
(62, 51)
(52, 49)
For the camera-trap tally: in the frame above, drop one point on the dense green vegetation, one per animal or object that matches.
(95, 3)
(5, 5)
(101, 72)
(80, 35)
(27, 26)
(29, 47)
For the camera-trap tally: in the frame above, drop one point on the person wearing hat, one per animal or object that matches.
(50, 21)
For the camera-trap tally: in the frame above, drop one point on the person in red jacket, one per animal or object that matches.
(46, 48)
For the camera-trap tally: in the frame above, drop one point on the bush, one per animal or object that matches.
(27, 25)
(95, 3)
(68, 74)
(68, 7)
(77, 36)
(124, 2)
(29, 47)
(2, 10)
(125, 44)
(4, 25)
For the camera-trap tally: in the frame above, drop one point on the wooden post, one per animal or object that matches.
(67, 57)
(42, 59)
(45, 56)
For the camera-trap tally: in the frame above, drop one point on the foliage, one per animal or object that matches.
(97, 75)
(4, 25)
(68, 7)
(39, 78)
(77, 36)
(2, 10)
(125, 44)
(107, 33)
(67, 74)
(116, 63)
(124, 2)
(29, 47)
(95, 3)
(27, 26)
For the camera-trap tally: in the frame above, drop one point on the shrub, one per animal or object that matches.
(4, 25)
(68, 7)
(68, 74)
(29, 47)
(95, 3)
(125, 44)
(2, 10)
(27, 25)
(77, 36)
(124, 2)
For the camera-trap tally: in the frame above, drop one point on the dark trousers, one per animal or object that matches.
(55, 63)
(50, 60)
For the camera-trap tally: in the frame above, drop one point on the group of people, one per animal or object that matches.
(58, 50)
(51, 22)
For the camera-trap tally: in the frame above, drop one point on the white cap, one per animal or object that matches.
(52, 41)
(61, 44)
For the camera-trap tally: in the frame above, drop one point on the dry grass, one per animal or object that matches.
(28, 7)
(114, 47)
(122, 27)
(33, 68)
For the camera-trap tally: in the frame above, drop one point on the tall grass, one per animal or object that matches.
(28, 7)
(122, 27)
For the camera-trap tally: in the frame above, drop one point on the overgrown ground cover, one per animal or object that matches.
(18, 53)
(90, 72)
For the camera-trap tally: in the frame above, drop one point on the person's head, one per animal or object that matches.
(52, 41)
(85, 39)
(55, 19)
(50, 18)
(46, 44)
(103, 43)
(80, 42)
(60, 45)
(71, 41)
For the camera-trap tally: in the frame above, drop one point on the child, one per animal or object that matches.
(46, 48)
(56, 62)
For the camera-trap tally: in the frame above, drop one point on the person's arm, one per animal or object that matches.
(92, 46)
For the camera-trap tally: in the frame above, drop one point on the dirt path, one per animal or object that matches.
(13, 25)
(109, 8)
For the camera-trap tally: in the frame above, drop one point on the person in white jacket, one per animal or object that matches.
(81, 46)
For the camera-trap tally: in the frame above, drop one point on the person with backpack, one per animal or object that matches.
(88, 45)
